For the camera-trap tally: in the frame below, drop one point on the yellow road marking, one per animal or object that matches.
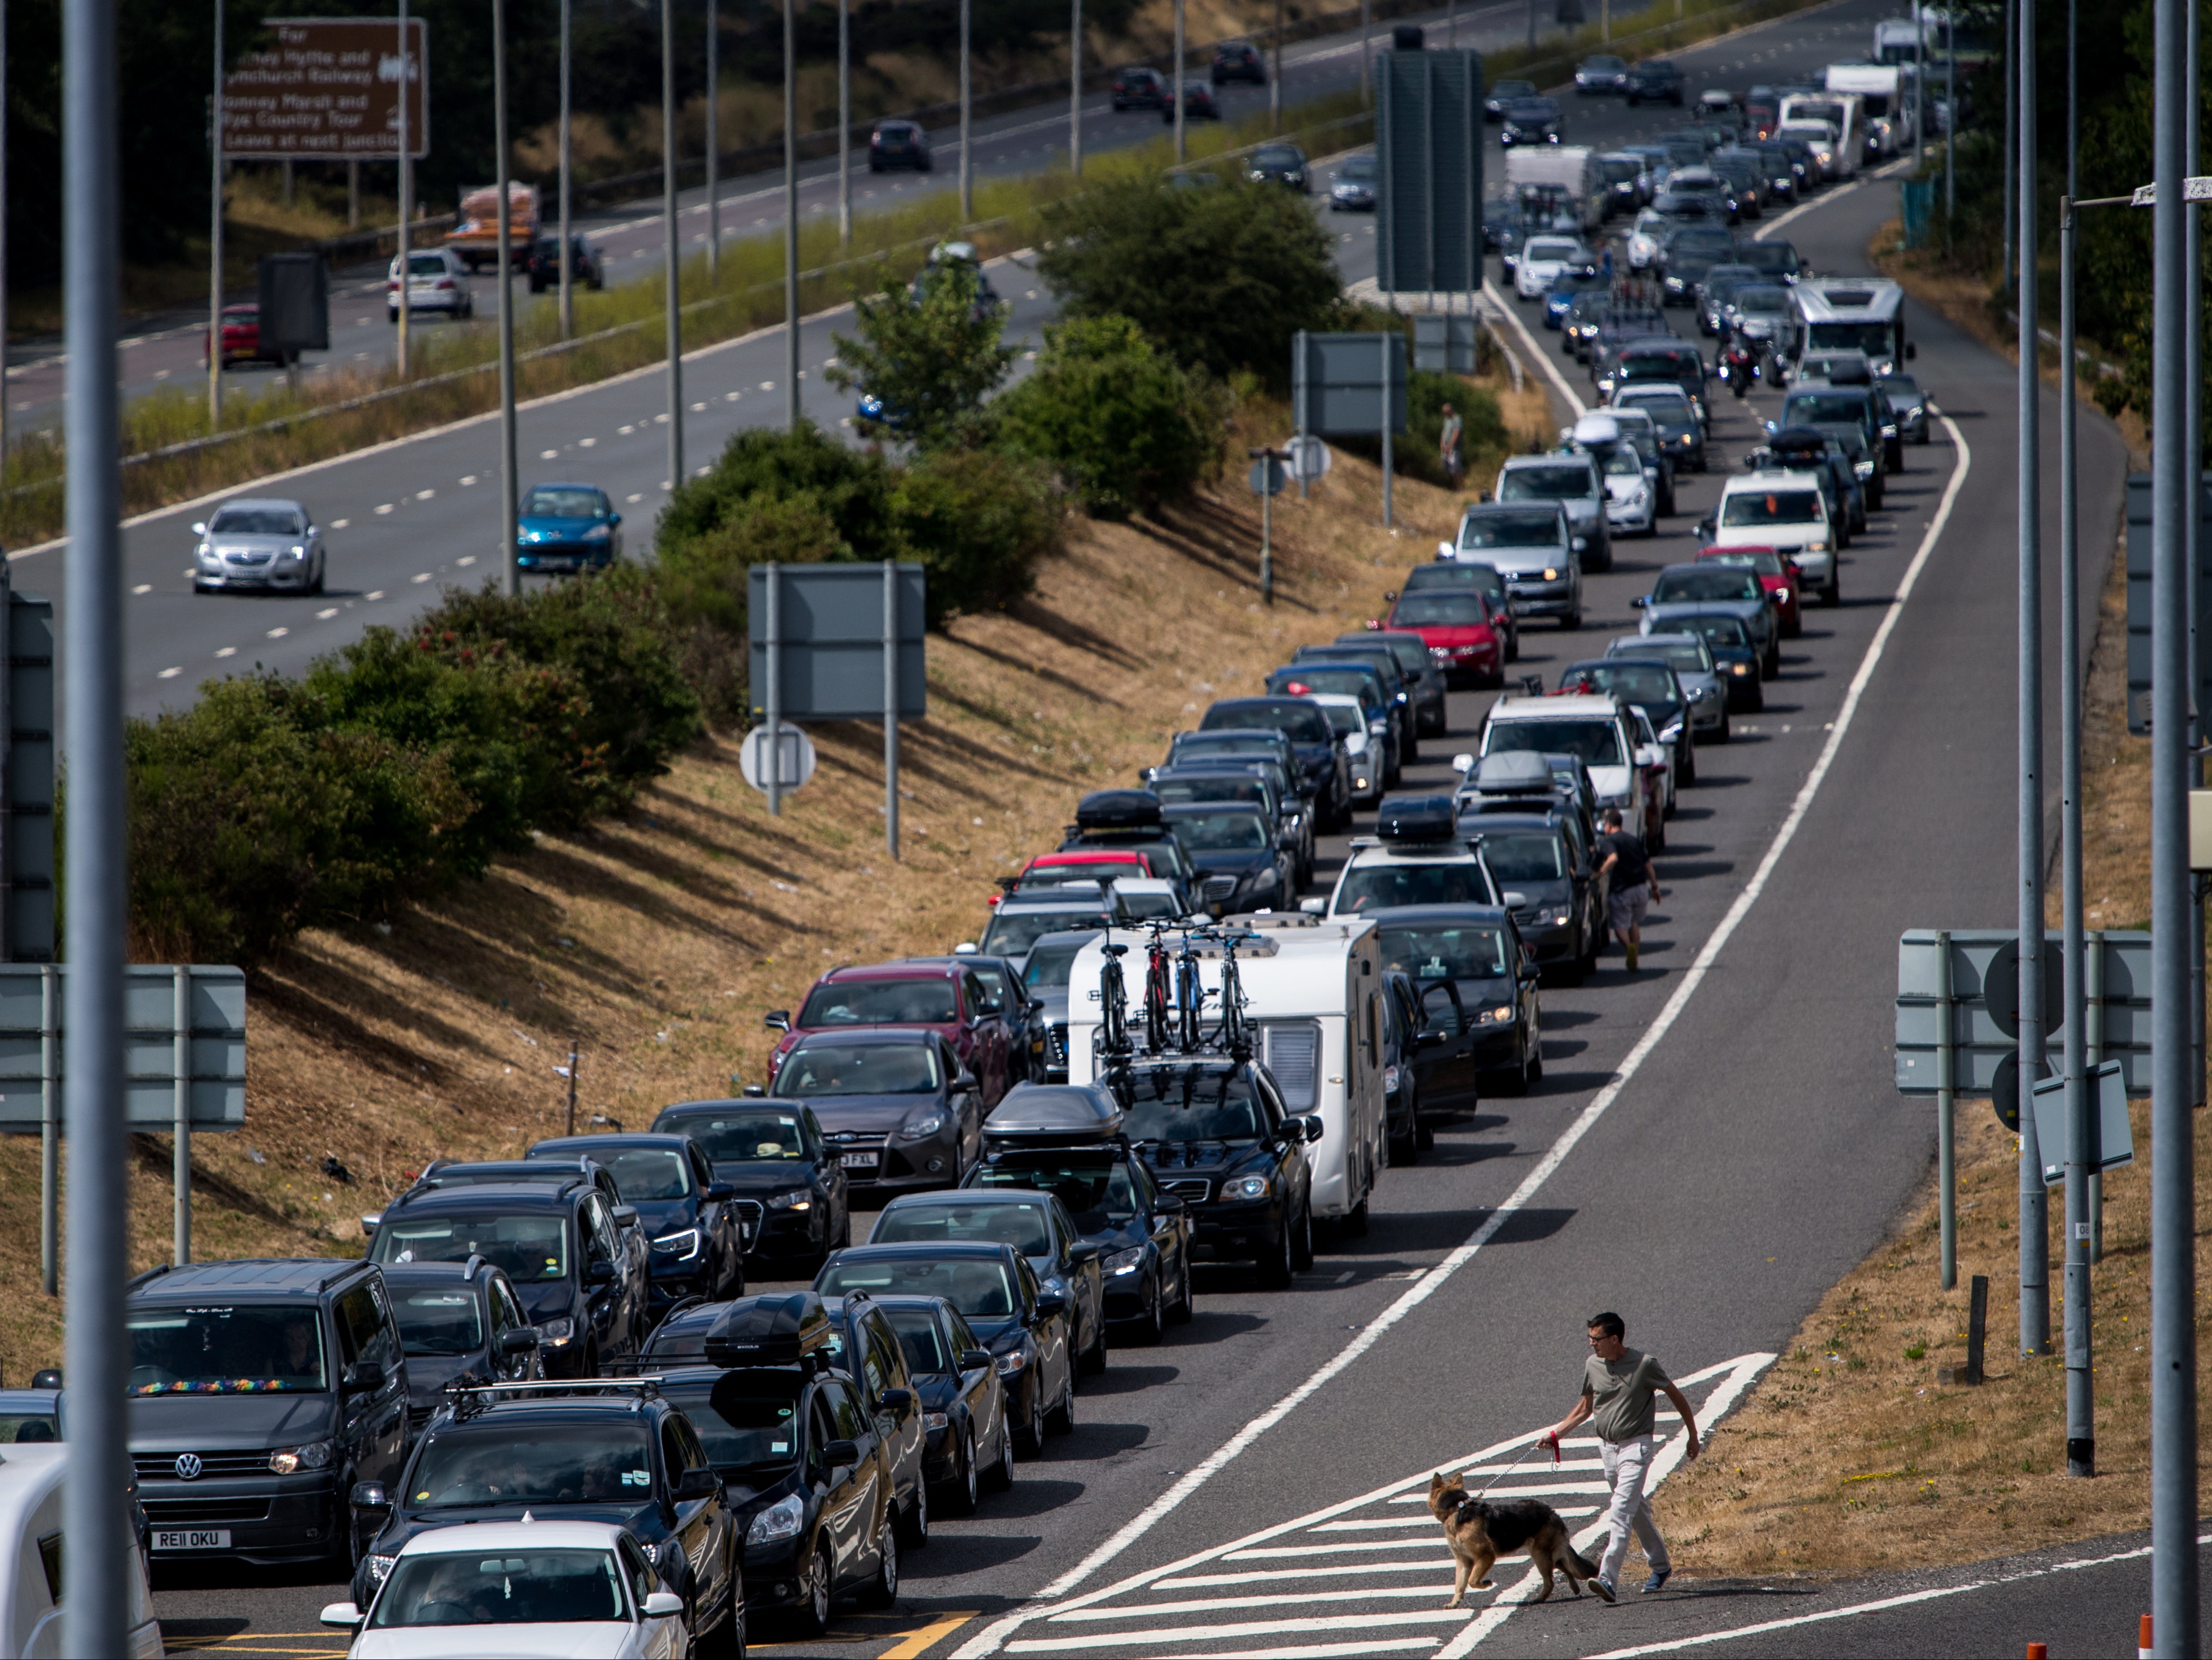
(915, 1643)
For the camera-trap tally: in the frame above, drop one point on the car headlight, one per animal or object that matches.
(1890, 430)
(313, 1455)
(554, 1333)
(1553, 916)
(682, 1245)
(1390, 1079)
(1670, 731)
(380, 1568)
(1246, 1187)
(1125, 1262)
(1009, 1364)
(935, 1420)
(797, 1199)
(206, 552)
(1864, 469)
(917, 1129)
(597, 533)
(1492, 1017)
(1551, 574)
(1739, 668)
(780, 1520)
(302, 553)
(1819, 546)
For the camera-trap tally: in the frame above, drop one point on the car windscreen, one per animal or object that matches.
(1750, 508)
(1764, 561)
(815, 1070)
(439, 1321)
(948, 1221)
(1345, 717)
(494, 1464)
(1411, 654)
(1410, 882)
(554, 502)
(1444, 953)
(1805, 409)
(1718, 629)
(649, 1173)
(1761, 300)
(1518, 530)
(256, 521)
(980, 1289)
(1299, 726)
(1228, 829)
(1522, 856)
(1223, 786)
(1684, 657)
(746, 1417)
(1542, 248)
(243, 1349)
(1653, 366)
(1193, 1104)
(1012, 933)
(1670, 403)
(881, 1003)
(1442, 609)
(1359, 167)
(1095, 1187)
(482, 1588)
(1641, 684)
(1276, 156)
(1047, 966)
(532, 1246)
(1679, 587)
(1901, 389)
(1594, 743)
(734, 1137)
(1540, 485)
(1470, 574)
(1621, 461)
(1302, 680)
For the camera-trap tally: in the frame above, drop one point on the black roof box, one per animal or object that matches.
(1117, 809)
(1058, 1113)
(776, 1331)
(1416, 818)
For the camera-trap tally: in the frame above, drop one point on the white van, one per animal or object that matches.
(1313, 987)
(31, 1478)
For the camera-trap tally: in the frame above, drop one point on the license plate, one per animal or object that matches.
(858, 1160)
(191, 1539)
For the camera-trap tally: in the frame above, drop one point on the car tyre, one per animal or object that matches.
(913, 1522)
(1276, 1269)
(1179, 1311)
(1092, 1360)
(1061, 1420)
(1152, 1325)
(1571, 620)
(1000, 1475)
(817, 1594)
(882, 1589)
(960, 1493)
(1302, 1250)
(1689, 774)
(1833, 594)
(1031, 1434)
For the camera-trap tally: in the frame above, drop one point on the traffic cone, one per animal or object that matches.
(2038, 1652)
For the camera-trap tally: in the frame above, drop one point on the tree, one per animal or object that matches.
(929, 354)
(1222, 278)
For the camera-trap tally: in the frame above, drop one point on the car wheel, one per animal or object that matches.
(1406, 1149)
(1689, 758)
(1000, 1474)
(914, 1520)
(316, 586)
(1180, 1312)
(1835, 595)
(1031, 1434)
(882, 1589)
(1061, 1420)
(960, 1492)
(1152, 1325)
(1277, 1268)
(817, 1592)
(1726, 730)
(1571, 622)
(1656, 840)
(1094, 1358)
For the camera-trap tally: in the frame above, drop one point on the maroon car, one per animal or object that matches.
(943, 998)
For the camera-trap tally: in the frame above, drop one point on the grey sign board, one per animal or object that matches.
(831, 623)
(2114, 1136)
(216, 1001)
(295, 304)
(27, 778)
(1984, 992)
(1428, 146)
(1445, 343)
(2139, 595)
(1342, 384)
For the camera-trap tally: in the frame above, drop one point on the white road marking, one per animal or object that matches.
(465, 561)
(384, 508)
(340, 524)
(144, 587)
(696, 409)
(227, 651)
(278, 634)
(636, 495)
(375, 593)
(548, 455)
(420, 576)
(169, 674)
(468, 479)
(324, 615)
(586, 443)
(731, 396)
(1536, 353)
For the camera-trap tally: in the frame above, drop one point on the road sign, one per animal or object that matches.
(1310, 459)
(1444, 341)
(1342, 384)
(327, 88)
(1428, 146)
(26, 778)
(1982, 1030)
(831, 620)
(1268, 477)
(2108, 1121)
(2192, 190)
(797, 753)
(295, 304)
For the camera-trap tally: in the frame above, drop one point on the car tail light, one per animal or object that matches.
(444, 282)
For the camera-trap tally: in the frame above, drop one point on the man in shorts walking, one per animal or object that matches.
(1635, 884)
(1449, 450)
(1619, 1383)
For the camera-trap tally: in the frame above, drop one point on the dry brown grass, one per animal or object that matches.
(657, 940)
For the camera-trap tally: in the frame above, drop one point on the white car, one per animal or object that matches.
(31, 1480)
(1150, 898)
(1644, 238)
(1543, 258)
(1599, 731)
(1361, 747)
(437, 281)
(1785, 511)
(519, 1588)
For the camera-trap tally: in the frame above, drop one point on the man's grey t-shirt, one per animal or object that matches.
(1621, 1394)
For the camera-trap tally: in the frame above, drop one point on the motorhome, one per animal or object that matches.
(1850, 314)
(1886, 102)
(1840, 113)
(1571, 175)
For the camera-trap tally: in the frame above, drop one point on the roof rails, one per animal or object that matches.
(470, 1398)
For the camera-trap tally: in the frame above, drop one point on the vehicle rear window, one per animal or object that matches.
(1095, 870)
(1440, 610)
(531, 1247)
(1594, 743)
(880, 1003)
(1298, 725)
(1012, 933)
(523, 1464)
(473, 1588)
(1676, 587)
(439, 1321)
(1231, 829)
(1542, 484)
(1632, 683)
(236, 1349)
(1682, 657)
(735, 1137)
(1450, 954)
(649, 1173)
(1096, 1188)
(825, 1069)
(1380, 886)
(981, 1291)
(1751, 507)
(746, 1417)
(1025, 1227)
(1049, 965)
(1517, 530)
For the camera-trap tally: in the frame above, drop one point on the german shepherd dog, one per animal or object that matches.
(1479, 1533)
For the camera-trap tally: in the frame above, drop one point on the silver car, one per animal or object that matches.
(1691, 659)
(1570, 477)
(1531, 546)
(259, 543)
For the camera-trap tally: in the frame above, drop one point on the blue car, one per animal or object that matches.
(567, 528)
(1564, 291)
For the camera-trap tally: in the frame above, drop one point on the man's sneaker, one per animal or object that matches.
(1659, 1577)
(1603, 1588)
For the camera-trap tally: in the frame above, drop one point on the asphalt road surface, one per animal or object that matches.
(1715, 1138)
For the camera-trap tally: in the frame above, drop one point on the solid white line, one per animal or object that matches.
(1209, 1604)
(1821, 201)
(1126, 1639)
(1537, 354)
(1266, 1575)
(1323, 1650)
(1263, 1553)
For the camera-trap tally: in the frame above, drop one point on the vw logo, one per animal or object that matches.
(188, 1466)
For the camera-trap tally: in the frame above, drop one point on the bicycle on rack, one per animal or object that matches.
(1157, 993)
(1236, 1034)
(1113, 1008)
(1190, 999)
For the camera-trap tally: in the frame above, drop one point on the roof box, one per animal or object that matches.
(778, 1330)
(1512, 772)
(1117, 809)
(1598, 427)
(1416, 818)
(1060, 1113)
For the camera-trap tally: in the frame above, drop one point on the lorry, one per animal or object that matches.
(1570, 178)
(475, 234)
(1886, 93)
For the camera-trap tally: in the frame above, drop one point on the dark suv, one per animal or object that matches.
(459, 1323)
(601, 1450)
(1137, 88)
(1239, 60)
(557, 1243)
(792, 1201)
(684, 1208)
(259, 1393)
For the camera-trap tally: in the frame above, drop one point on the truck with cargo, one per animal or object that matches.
(475, 234)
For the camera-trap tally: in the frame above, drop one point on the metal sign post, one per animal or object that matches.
(891, 705)
(1349, 385)
(774, 688)
(1392, 351)
(1268, 479)
(1947, 1140)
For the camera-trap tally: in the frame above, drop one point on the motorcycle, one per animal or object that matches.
(1738, 368)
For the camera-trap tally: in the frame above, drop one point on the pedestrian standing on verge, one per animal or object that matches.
(1635, 884)
(1619, 1383)
(1447, 447)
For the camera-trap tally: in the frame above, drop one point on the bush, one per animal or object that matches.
(1127, 425)
(1222, 278)
(978, 522)
(931, 354)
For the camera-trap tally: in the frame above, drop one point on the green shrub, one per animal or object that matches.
(932, 354)
(1126, 425)
(978, 522)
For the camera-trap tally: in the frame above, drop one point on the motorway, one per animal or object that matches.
(1715, 1139)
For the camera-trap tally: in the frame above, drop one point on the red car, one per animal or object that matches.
(1091, 865)
(946, 998)
(1778, 573)
(241, 337)
(1456, 626)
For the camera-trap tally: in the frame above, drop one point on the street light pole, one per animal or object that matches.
(1075, 91)
(790, 228)
(407, 189)
(568, 288)
(2011, 172)
(1275, 80)
(713, 139)
(844, 125)
(1366, 61)
(671, 237)
(1950, 120)
(510, 572)
(967, 168)
(1174, 80)
(214, 222)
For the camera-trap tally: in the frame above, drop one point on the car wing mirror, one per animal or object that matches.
(1513, 899)
(664, 1604)
(697, 1483)
(199, 527)
(717, 1191)
(625, 1216)
(363, 1378)
(777, 1019)
(837, 1453)
(1312, 1127)
(976, 1360)
(1315, 906)
(523, 1339)
(1050, 1303)
(614, 518)
(369, 1498)
(344, 1616)
(601, 1273)
(896, 1400)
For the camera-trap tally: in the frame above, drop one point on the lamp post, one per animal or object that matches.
(406, 190)
(568, 290)
(215, 221)
(673, 275)
(1075, 90)
(1174, 80)
(713, 139)
(844, 125)
(967, 166)
(510, 574)
(790, 234)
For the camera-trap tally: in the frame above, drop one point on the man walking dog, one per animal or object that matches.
(1619, 1383)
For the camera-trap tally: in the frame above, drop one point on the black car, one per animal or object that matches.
(1067, 1142)
(1000, 977)
(1239, 60)
(1425, 682)
(1476, 949)
(1137, 88)
(459, 1323)
(1037, 1225)
(448, 1173)
(1385, 728)
(1736, 654)
(1025, 1326)
(863, 1344)
(1243, 864)
(789, 1188)
(259, 1393)
(894, 1104)
(1198, 104)
(686, 1211)
(1216, 1135)
(1653, 81)
(899, 145)
(1540, 857)
(1400, 686)
(557, 1243)
(969, 1439)
(600, 1450)
(1414, 1056)
(1530, 121)
(1503, 93)
(1776, 260)
(1603, 73)
(1253, 782)
(586, 264)
(1321, 767)
(1279, 164)
(807, 1474)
